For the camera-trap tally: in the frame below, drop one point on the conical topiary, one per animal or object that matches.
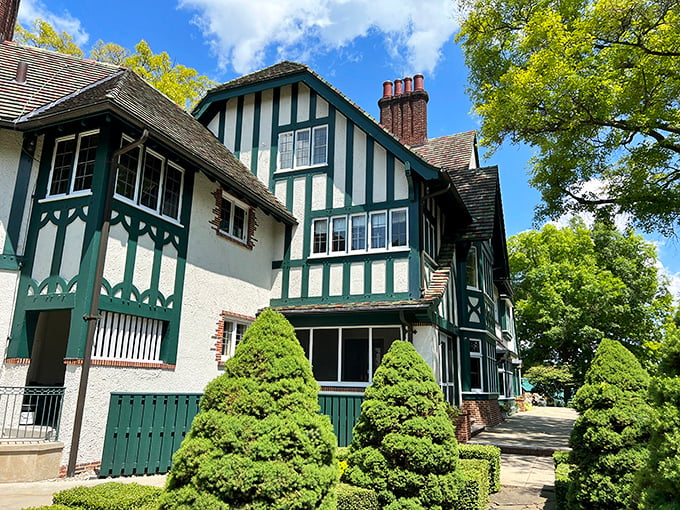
(258, 442)
(659, 482)
(404, 445)
(609, 439)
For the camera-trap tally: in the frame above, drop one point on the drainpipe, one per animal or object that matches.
(93, 316)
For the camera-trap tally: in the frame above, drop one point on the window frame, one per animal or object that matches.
(294, 134)
(234, 203)
(77, 137)
(478, 356)
(391, 228)
(369, 240)
(229, 344)
(473, 255)
(351, 248)
(142, 152)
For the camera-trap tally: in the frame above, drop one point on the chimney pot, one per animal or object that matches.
(397, 87)
(387, 89)
(22, 70)
(418, 82)
(407, 84)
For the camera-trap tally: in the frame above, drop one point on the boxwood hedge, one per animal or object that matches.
(475, 493)
(107, 496)
(491, 454)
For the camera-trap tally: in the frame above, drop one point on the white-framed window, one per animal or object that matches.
(346, 356)
(303, 148)
(232, 335)
(476, 365)
(233, 218)
(73, 163)
(359, 233)
(148, 180)
(471, 269)
(123, 337)
(447, 367)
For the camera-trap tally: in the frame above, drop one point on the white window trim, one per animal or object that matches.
(232, 336)
(72, 178)
(331, 232)
(325, 252)
(391, 247)
(473, 249)
(370, 231)
(350, 217)
(142, 150)
(246, 218)
(480, 356)
(295, 132)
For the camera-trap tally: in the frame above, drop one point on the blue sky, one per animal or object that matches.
(354, 44)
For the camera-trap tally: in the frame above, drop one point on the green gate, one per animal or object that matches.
(143, 430)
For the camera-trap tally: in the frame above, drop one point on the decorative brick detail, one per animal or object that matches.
(81, 468)
(18, 361)
(125, 364)
(483, 412)
(217, 217)
(404, 114)
(463, 427)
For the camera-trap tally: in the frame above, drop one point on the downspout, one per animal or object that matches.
(93, 316)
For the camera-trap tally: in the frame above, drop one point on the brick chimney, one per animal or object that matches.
(403, 109)
(9, 9)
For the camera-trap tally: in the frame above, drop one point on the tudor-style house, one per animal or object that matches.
(278, 191)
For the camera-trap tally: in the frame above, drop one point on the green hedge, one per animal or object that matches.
(108, 496)
(342, 453)
(562, 470)
(560, 457)
(53, 507)
(356, 498)
(475, 492)
(489, 453)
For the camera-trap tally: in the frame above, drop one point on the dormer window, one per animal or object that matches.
(303, 148)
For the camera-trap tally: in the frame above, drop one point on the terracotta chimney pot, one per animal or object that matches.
(419, 82)
(397, 87)
(387, 89)
(407, 84)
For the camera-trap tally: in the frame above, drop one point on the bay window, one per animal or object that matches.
(73, 163)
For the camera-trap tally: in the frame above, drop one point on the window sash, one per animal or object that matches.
(73, 161)
(398, 228)
(320, 145)
(358, 232)
(303, 145)
(378, 234)
(172, 191)
(286, 150)
(471, 269)
(232, 335)
(234, 218)
(320, 236)
(339, 241)
(86, 157)
(303, 148)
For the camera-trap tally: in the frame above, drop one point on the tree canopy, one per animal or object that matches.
(180, 83)
(575, 286)
(594, 87)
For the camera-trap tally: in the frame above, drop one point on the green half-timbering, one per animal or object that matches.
(62, 247)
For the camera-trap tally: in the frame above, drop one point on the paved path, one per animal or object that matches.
(15, 496)
(527, 473)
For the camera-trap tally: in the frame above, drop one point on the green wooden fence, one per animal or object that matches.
(143, 430)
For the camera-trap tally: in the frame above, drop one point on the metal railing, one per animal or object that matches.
(30, 413)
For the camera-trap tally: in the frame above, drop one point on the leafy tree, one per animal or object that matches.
(404, 445)
(593, 86)
(43, 35)
(575, 286)
(551, 380)
(659, 482)
(609, 437)
(180, 83)
(259, 441)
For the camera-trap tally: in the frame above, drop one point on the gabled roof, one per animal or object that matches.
(124, 93)
(449, 152)
(478, 187)
(279, 70)
(50, 76)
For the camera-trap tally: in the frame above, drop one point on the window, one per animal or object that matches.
(147, 179)
(471, 277)
(360, 232)
(233, 334)
(73, 163)
(303, 148)
(346, 355)
(447, 370)
(476, 365)
(233, 218)
(122, 337)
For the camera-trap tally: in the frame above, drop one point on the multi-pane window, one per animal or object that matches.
(73, 163)
(233, 218)
(233, 334)
(346, 355)
(375, 231)
(303, 148)
(476, 356)
(148, 179)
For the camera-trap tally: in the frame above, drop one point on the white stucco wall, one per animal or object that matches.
(10, 153)
(426, 342)
(8, 284)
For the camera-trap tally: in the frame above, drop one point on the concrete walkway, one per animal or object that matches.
(527, 441)
(19, 495)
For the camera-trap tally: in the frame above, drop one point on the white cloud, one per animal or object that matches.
(244, 33)
(30, 10)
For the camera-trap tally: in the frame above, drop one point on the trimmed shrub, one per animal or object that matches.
(475, 493)
(108, 496)
(562, 480)
(53, 507)
(659, 481)
(491, 454)
(404, 445)
(610, 436)
(561, 457)
(259, 440)
(356, 498)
